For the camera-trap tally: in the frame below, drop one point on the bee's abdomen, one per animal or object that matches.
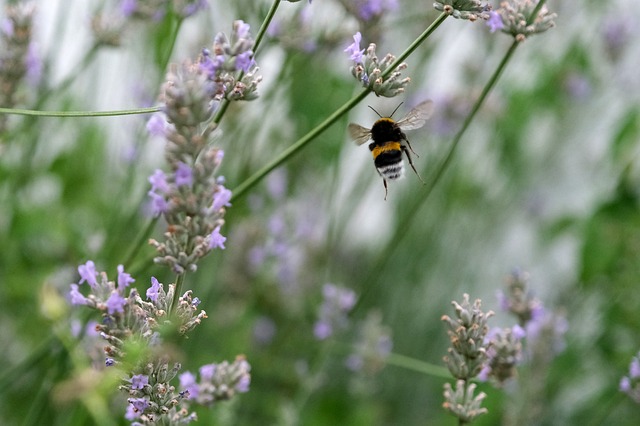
(387, 158)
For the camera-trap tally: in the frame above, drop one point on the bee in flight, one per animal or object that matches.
(389, 141)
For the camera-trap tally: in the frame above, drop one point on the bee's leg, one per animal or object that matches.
(385, 188)
(409, 145)
(406, 151)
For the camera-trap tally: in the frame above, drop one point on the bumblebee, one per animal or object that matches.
(389, 141)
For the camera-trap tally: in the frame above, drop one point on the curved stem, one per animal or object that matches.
(178, 290)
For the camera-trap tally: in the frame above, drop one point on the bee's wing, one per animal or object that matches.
(417, 116)
(359, 134)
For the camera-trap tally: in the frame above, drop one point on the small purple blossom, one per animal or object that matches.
(494, 22)
(216, 240)
(124, 278)
(76, 297)
(184, 175)
(243, 384)
(354, 49)
(221, 198)
(6, 27)
(242, 29)
(369, 9)
(157, 125)
(88, 273)
(109, 362)
(159, 204)
(207, 371)
(154, 290)
(630, 384)
(322, 330)
(158, 181)
(244, 61)
(139, 404)
(139, 381)
(210, 65)
(188, 383)
(128, 7)
(115, 303)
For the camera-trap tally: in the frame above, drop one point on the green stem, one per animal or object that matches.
(37, 113)
(418, 366)
(178, 290)
(318, 130)
(140, 241)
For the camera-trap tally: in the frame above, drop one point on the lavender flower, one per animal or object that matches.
(230, 65)
(337, 303)
(504, 352)
(464, 9)
(218, 382)
(517, 19)
(494, 22)
(368, 69)
(128, 318)
(630, 384)
(190, 198)
(465, 358)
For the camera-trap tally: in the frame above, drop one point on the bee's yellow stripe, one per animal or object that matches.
(388, 146)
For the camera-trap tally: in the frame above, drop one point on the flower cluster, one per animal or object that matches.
(230, 65)
(517, 19)
(152, 399)
(471, 10)
(156, 10)
(544, 330)
(17, 54)
(131, 320)
(504, 352)
(631, 384)
(218, 382)
(466, 357)
(191, 197)
(369, 70)
(128, 316)
(337, 303)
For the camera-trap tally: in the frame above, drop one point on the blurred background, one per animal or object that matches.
(545, 181)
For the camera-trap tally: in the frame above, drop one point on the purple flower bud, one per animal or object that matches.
(158, 181)
(157, 125)
(216, 240)
(354, 49)
(494, 22)
(76, 297)
(159, 204)
(115, 303)
(124, 279)
(184, 175)
(154, 290)
(139, 381)
(88, 273)
(207, 371)
(221, 198)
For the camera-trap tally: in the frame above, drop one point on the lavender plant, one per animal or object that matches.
(247, 292)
